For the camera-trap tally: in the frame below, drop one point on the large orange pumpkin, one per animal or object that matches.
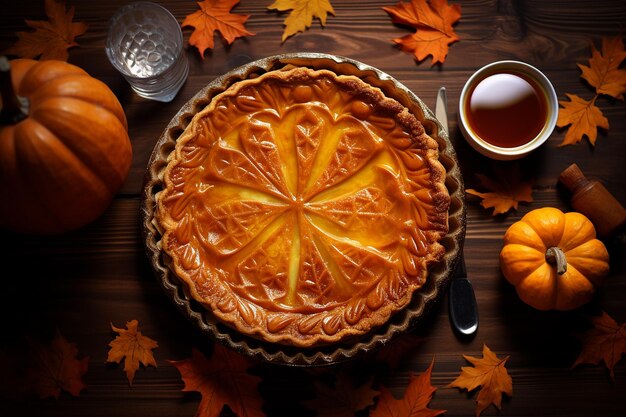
(553, 259)
(61, 164)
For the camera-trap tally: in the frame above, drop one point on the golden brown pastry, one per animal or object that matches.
(302, 207)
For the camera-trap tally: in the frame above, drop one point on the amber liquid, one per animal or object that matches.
(507, 110)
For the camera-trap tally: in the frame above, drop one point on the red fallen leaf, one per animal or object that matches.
(433, 22)
(52, 38)
(606, 342)
(222, 380)
(55, 368)
(489, 373)
(133, 346)
(214, 15)
(415, 401)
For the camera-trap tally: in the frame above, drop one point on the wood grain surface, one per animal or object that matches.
(81, 282)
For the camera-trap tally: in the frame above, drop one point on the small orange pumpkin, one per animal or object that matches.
(553, 259)
(63, 159)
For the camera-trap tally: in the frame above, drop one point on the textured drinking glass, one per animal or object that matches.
(145, 44)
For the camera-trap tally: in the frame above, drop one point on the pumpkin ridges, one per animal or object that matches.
(578, 229)
(591, 260)
(38, 75)
(593, 269)
(82, 87)
(548, 223)
(538, 289)
(587, 260)
(522, 233)
(11, 182)
(85, 129)
(57, 189)
(94, 128)
(573, 290)
(521, 259)
(19, 69)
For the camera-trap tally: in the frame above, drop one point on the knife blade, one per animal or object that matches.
(462, 300)
(441, 108)
(463, 307)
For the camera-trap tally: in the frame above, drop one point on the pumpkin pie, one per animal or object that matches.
(303, 207)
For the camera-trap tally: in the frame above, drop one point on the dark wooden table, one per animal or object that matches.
(82, 281)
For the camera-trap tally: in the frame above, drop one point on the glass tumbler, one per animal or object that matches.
(145, 44)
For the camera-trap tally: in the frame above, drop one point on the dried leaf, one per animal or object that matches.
(342, 400)
(489, 373)
(214, 15)
(604, 75)
(415, 401)
(52, 38)
(133, 346)
(302, 14)
(505, 193)
(433, 21)
(606, 341)
(584, 118)
(222, 380)
(55, 368)
(603, 71)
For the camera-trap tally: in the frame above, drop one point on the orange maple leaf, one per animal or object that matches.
(603, 71)
(302, 14)
(414, 402)
(55, 368)
(433, 21)
(222, 380)
(490, 373)
(604, 75)
(52, 38)
(214, 15)
(505, 194)
(584, 117)
(606, 341)
(133, 346)
(344, 399)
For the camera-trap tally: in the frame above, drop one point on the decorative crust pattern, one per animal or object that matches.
(302, 207)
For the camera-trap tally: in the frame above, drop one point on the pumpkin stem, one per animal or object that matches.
(555, 256)
(11, 111)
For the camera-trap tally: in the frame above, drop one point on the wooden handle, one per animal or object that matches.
(594, 201)
(573, 178)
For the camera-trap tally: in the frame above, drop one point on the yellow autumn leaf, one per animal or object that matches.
(302, 14)
(133, 346)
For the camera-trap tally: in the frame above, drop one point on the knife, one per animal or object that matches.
(463, 308)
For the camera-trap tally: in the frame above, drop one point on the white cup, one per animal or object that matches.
(145, 44)
(492, 89)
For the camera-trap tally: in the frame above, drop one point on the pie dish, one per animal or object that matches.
(300, 207)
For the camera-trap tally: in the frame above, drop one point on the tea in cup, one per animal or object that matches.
(507, 109)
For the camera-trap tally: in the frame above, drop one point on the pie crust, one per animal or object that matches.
(303, 207)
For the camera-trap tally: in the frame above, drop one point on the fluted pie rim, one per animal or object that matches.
(422, 301)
